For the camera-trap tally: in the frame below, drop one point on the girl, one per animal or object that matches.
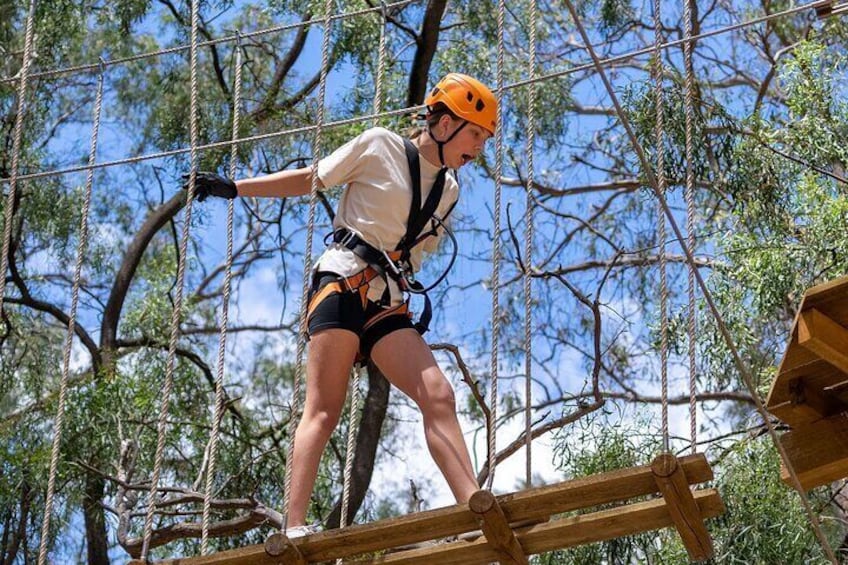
(398, 194)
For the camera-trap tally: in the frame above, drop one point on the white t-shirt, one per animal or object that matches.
(375, 205)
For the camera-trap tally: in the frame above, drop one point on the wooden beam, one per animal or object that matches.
(672, 483)
(556, 534)
(532, 504)
(836, 289)
(594, 490)
(830, 8)
(280, 546)
(824, 337)
(818, 453)
(499, 535)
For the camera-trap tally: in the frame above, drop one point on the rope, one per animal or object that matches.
(307, 256)
(659, 135)
(496, 254)
(178, 298)
(16, 151)
(381, 63)
(355, 394)
(403, 111)
(705, 291)
(217, 144)
(225, 309)
(689, 196)
(58, 424)
(181, 48)
(528, 255)
(353, 426)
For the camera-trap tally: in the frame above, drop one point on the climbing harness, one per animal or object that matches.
(396, 264)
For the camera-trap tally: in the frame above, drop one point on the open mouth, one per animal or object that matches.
(466, 158)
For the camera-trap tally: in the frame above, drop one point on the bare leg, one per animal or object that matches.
(331, 355)
(408, 363)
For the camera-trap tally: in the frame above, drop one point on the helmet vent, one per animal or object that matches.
(480, 106)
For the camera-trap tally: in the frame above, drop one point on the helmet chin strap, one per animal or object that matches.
(442, 144)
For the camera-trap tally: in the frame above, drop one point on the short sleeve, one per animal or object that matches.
(346, 162)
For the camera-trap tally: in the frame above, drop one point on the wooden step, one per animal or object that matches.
(818, 452)
(533, 504)
(605, 525)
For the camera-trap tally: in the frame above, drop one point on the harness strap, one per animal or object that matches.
(388, 264)
(418, 216)
(383, 263)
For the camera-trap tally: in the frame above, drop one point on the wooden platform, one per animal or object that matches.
(830, 8)
(810, 391)
(508, 528)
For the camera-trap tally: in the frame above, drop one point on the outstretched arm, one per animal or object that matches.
(293, 182)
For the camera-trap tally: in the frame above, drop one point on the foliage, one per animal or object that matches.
(769, 128)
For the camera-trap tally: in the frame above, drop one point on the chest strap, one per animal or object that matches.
(395, 264)
(418, 216)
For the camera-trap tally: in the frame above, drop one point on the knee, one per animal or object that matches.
(440, 395)
(320, 422)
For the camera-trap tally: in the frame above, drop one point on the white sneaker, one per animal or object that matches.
(301, 531)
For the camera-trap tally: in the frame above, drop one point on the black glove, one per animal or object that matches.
(209, 184)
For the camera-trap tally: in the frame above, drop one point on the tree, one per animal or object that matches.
(766, 228)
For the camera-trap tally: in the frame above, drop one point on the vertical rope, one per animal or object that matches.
(82, 247)
(307, 256)
(176, 315)
(16, 150)
(496, 252)
(528, 252)
(353, 426)
(381, 62)
(225, 309)
(659, 134)
(690, 215)
(355, 393)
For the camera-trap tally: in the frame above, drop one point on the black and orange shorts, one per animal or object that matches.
(337, 302)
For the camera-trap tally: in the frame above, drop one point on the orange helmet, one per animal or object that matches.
(468, 98)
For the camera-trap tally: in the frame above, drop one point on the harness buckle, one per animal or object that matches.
(348, 238)
(394, 267)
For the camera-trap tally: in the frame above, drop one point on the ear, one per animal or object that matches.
(445, 122)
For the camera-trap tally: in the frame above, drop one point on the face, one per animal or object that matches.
(467, 144)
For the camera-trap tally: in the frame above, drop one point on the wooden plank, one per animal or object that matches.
(586, 492)
(532, 504)
(830, 299)
(803, 400)
(818, 452)
(682, 507)
(796, 359)
(280, 546)
(824, 337)
(803, 394)
(499, 535)
(557, 534)
(816, 296)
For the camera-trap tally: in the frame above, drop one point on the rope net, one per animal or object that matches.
(321, 124)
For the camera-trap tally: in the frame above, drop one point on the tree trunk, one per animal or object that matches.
(13, 535)
(427, 41)
(95, 522)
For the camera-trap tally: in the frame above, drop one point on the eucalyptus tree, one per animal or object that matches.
(766, 227)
